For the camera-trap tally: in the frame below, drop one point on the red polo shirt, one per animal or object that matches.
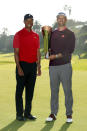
(28, 43)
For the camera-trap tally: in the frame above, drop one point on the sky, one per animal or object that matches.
(45, 11)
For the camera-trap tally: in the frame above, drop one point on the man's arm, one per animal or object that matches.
(71, 46)
(38, 62)
(16, 56)
(52, 57)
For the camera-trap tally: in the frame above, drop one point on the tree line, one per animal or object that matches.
(78, 27)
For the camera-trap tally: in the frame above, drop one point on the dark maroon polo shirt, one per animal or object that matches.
(62, 42)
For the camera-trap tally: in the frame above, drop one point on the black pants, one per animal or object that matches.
(27, 81)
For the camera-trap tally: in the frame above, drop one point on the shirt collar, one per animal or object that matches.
(63, 29)
(27, 30)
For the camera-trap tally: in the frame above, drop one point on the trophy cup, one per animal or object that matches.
(46, 31)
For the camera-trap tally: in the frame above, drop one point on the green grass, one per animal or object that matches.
(41, 101)
(79, 64)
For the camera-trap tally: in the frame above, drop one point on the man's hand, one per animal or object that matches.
(38, 62)
(52, 57)
(20, 71)
(60, 55)
(38, 70)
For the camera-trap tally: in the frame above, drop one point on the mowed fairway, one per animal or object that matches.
(41, 101)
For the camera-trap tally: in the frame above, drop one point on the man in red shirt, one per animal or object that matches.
(26, 46)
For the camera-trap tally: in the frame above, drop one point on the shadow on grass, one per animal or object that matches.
(48, 126)
(65, 127)
(7, 62)
(13, 126)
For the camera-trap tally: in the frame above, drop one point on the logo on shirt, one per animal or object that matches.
(62, 36)
(35, 37)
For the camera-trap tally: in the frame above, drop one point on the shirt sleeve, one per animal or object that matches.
(71, 46)
(16, 41)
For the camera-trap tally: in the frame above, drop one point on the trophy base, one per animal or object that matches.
(47, 55)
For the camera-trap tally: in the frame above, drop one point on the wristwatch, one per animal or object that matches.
(56, 56)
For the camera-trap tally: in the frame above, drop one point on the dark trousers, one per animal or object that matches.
(27, 81)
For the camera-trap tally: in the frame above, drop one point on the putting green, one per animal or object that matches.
(41, 101)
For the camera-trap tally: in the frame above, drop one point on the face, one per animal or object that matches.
(61, 20)
(28, 23)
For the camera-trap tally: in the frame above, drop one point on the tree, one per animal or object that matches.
(68, 8)
(6, 42)
(81, 43)
(36, 26)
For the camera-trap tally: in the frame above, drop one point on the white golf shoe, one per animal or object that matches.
(51, 117)
(69, 119)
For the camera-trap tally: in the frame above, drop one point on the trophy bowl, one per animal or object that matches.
(46, 32)
(47, 28)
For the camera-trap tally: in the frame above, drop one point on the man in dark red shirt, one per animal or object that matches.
(26, 46)
(62, 45)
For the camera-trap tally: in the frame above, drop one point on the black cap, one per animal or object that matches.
(28, 16)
